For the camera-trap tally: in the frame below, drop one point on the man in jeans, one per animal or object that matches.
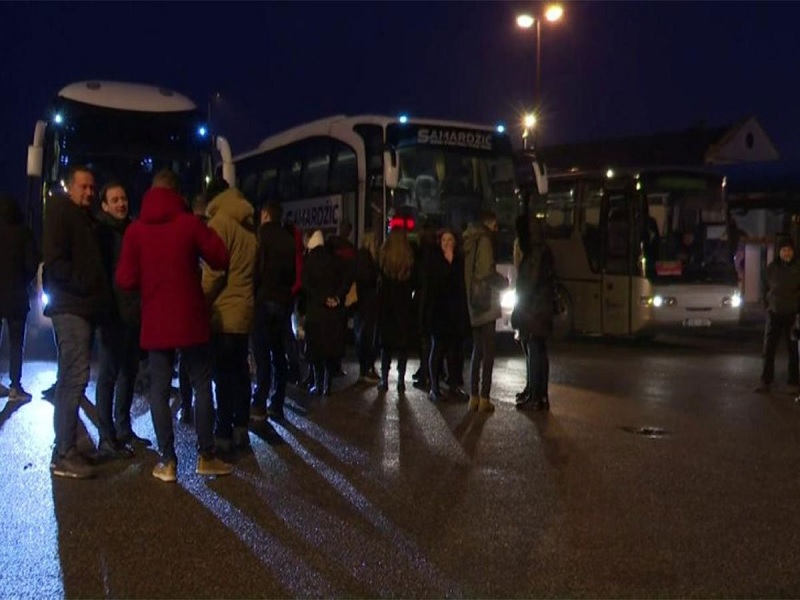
(160, 255)
(479, 265)
(80, 294)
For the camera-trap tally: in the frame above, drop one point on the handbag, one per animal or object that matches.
(480, 294)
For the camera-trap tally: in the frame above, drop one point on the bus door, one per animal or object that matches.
(617, 223)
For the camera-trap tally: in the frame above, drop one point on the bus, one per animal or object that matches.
(370, 170)
(124, 132)
(640, 251)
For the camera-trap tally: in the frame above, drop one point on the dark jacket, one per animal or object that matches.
(445, 310)
(366, 277)
(160, 256)
(19, 260)
(780, 287)
(326, 327)
(395, 312)
(533, 312)
(275, 267)
(110, 232)
(74, 276)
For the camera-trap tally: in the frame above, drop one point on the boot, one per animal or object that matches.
(473, 403)
(383, 384)
(319, 375)
(485, 405)
(401, 375)
(326, 381)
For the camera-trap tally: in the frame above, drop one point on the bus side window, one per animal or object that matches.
(590, 225)
(617, 240)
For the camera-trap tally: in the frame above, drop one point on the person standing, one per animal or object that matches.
(160, 254)
(532, 316)
(445, 315)
(395, 309)
(366, 310)
(17, 270)
(480, 268)
(80, 294)
(230, 296)
(780, 290)
(274, 278)
(118, 336)
(325, 286)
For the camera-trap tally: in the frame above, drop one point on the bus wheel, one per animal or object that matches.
(564, 317)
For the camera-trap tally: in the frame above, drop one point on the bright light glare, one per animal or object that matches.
(610, 173)
(529, 121)
(201, 131)
(501, 129)
(736, 300)
(508, 300)
(554, 12)
(58, 119)
(403, 119)
(658, 301)
(525, 21)
(45, 299)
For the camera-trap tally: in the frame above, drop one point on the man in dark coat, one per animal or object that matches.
(20, 260)
(160, 254)
(80, 296)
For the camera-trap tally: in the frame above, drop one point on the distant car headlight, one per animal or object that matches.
(734, 301)
(508, 300)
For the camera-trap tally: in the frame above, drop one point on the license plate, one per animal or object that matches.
(697, 323)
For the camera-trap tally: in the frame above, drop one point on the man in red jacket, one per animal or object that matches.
(160, 254)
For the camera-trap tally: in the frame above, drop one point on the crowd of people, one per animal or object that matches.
(200, 285)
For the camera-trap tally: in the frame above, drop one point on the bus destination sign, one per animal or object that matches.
(440, 136)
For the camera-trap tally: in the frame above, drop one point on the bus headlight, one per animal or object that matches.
(733, 301)
(508, 300)
(658, 301)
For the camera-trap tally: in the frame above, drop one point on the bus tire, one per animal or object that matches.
(564, 316)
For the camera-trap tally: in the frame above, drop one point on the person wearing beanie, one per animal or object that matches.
(159, 258)
(780, 292)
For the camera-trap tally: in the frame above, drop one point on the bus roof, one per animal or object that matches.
(330, 125)
(127, 96)
(631, 171)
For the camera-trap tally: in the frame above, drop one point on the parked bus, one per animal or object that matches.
(124, 132)
(369, 170)
(640, 251)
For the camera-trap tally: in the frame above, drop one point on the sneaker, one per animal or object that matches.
(72, 465)
(208, 464)
(372, 375)
(4, 391)
(166, 470)
(457, 394)
(258, 412)
(114, 450)
(18, 394)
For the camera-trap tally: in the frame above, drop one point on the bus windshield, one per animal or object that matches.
(448, 186)
(685, 233)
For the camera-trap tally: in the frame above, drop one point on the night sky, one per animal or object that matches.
(609, 69)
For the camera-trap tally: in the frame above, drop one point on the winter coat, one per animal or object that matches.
(533, 312)
(395, 312)
(160, 257)
(276, 266)
(445, 310)
(326, 327)
(19, 260)
(780, 287)
(110, 231)
(73, 275)
(479, 264)
(230, 294)
(366, 278)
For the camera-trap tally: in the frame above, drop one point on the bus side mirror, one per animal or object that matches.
(35, 161)
(391, 170)
(540, 173)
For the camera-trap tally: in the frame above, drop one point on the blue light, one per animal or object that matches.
(501, 129)
(403, 119)
(202, 131)
(58, 119)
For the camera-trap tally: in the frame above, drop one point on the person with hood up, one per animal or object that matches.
(17, 270)
(325, 286)
(160, 254)
(780, 290)
(231, 298)
(480, 268)
(533, 314)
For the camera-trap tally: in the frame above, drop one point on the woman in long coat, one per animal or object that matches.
(395, 314)
(325, 286)
(533, 314)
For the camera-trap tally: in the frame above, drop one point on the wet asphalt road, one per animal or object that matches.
(366, 495)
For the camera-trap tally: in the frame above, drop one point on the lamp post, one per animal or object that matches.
(552, 13)
(211, 100)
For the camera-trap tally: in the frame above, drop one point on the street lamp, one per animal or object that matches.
(551, 13)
